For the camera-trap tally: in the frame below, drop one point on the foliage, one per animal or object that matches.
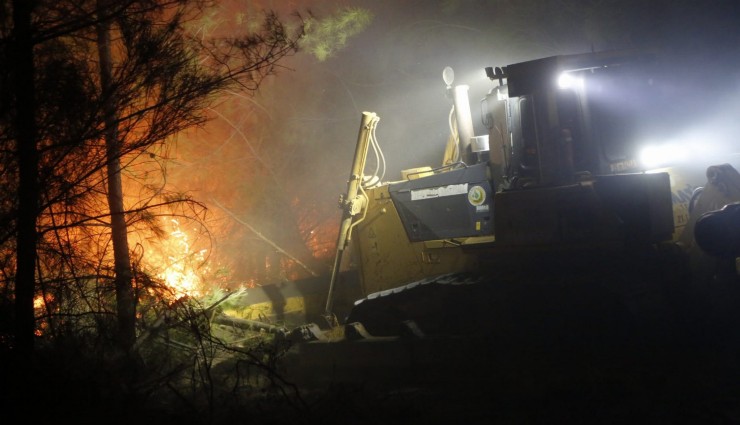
(326, 36)
(163, 80)
(182, 371)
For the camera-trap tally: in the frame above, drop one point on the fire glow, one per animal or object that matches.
(179, 264)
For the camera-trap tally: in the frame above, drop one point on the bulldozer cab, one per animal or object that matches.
(559, 118)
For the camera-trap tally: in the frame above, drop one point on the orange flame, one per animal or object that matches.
(179, 264)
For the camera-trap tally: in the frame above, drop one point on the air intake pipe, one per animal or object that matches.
(464, 121)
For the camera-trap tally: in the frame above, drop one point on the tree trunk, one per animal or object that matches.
(28, 189)
(125, 300)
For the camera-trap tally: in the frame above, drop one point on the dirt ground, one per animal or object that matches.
(694, 381)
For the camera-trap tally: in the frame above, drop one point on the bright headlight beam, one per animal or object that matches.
(662, 155)
(567, 80)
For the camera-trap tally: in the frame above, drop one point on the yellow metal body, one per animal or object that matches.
(385, 257)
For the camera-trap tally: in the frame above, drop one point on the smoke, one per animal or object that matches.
(303, 125)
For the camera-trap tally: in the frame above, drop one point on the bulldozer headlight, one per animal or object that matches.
(568, 80)
(663, 155)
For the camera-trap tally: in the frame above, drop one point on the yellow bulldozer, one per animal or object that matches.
(547, 226)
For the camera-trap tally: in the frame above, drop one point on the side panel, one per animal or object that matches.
(609, 211)
(453, 204)
(387, 258)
